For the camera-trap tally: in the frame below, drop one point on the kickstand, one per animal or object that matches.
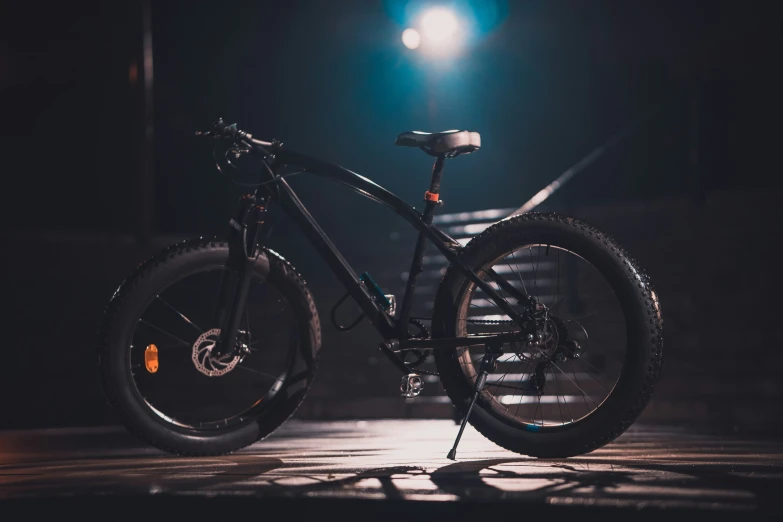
(488, 363)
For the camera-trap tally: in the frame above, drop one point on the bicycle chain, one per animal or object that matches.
(424, 333)
(417, 321)
(490, 321)
(473, 321)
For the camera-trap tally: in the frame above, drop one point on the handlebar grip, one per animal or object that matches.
(260, 142)
(221, 130)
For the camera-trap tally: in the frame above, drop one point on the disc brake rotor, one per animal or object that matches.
(203, 359)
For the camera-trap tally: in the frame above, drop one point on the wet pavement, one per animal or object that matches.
(393, 469)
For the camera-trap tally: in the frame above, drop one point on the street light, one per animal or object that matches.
(439, 25)
(436, 32)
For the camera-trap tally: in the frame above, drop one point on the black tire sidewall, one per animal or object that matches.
(622, 406)
(127, 307)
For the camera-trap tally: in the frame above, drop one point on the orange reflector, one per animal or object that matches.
(151, 358)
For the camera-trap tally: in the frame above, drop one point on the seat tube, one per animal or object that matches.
(431, 202)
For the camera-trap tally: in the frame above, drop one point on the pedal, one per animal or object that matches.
(411, 386)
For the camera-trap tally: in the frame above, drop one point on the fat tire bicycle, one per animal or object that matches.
(546, 335)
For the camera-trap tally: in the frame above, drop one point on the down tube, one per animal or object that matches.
(293, 206)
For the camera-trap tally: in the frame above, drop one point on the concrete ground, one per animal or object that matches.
(393, 469)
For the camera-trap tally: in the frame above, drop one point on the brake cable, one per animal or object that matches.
(250, 185)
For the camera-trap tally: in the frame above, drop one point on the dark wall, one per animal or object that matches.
(714, 266)
(544, 82)
(692, 190)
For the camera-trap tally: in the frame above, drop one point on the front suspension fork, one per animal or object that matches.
(247, 233)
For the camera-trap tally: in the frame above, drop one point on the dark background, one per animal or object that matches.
(693, 191)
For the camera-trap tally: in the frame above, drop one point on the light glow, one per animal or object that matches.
(439, 25)
(411, 38)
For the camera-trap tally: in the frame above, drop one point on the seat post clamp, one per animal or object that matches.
(430, 196)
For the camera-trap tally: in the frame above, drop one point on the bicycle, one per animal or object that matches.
(212, 344)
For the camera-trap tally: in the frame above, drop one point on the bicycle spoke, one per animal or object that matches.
(557, 396)
(191, 323)
(519, 276)
(276, 379)
(247, 314)
(557, 307)
(572, 382)
(530, 375)
(576, 380)
(535, 272)
(538, 257)
(590, 304)
(615, 361)
(501, 380)
(568, 408)
(165, 332)
(512, 384)
(266, 338)
(165, 346)
(535, 413)
(595, 378)
(511, 387)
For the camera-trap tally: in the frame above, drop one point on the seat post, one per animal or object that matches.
(432, 196)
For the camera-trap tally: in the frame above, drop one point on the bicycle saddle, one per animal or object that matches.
(450, 142)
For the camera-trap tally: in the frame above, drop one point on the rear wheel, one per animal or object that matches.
(591, 366)
(155, 351)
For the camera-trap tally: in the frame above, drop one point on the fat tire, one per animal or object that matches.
(125, 307)
(644, 327)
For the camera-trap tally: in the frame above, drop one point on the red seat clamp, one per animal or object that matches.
(429, 196)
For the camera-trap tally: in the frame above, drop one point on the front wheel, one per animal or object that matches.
(155, 357)
(589, 369)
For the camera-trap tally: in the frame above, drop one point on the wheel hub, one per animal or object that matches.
(551, 341)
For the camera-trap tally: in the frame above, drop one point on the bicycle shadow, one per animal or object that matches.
(119, 465)
(715, 485)
(531, 480)
(613, 481)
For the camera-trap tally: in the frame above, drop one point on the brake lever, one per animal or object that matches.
(220, 130)
(238, 151)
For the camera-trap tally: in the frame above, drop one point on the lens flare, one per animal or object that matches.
(411, 38)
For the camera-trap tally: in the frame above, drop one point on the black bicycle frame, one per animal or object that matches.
(277, 189)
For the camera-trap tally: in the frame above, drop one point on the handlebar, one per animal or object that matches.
(220, 130)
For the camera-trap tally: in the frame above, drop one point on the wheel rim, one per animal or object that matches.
(178, 322)
(581, 306)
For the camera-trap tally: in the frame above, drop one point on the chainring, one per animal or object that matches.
(423, 333)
